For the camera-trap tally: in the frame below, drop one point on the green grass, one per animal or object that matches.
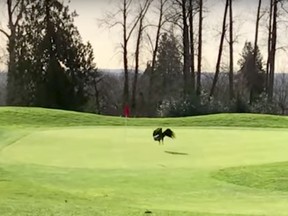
(273, 177)
(38, 117)
(66, 163)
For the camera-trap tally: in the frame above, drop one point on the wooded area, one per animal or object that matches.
(50, 66)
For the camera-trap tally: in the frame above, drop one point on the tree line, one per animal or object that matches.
(50, 66)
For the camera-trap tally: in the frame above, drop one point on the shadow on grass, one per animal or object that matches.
(176, 153)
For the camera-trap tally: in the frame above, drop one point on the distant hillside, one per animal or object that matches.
(117, 72)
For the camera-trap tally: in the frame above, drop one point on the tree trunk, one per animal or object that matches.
(231, 42)
(199, 66)
(267, 82)
(97, 97)
(273, 51)
(142, 14)
(257, 28)
(255, 48)
(125, 57)
(186, 67)
(11, 76)
(134, 85)
(159, 26)
(192, 66)
(220, 50)
(126, 36)
(12, 95)
(154, 56)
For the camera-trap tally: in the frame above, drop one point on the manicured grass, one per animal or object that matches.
(49, 168)
(38, 117)
(273, 177)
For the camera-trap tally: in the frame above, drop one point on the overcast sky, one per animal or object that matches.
(106, 42)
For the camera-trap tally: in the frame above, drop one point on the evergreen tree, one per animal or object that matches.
(52, 61)
(252, 74)
(168, 70)
(165, 81)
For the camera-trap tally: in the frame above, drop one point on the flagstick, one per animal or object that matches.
(126, 115)
(125, 129)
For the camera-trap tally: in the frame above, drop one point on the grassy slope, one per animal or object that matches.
(271, 176)
(38, 117)
(127, 173)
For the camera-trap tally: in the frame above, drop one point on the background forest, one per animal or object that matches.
(49, 65)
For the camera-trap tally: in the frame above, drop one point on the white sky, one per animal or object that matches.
(106, 42)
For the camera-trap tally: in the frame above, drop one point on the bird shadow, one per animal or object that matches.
(176, 153)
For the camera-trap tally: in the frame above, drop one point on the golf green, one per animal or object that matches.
(133, 148)
(117, 170)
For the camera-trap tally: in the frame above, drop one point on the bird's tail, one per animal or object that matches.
(168, 132)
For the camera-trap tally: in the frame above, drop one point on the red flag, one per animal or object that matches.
(126, 111)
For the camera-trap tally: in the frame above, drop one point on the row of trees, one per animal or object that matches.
(183, 57)
(50, 66)
(170, 12)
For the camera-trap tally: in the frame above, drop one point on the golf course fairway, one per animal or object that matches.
(62, 163)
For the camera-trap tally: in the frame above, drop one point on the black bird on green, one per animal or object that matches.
(158, 135)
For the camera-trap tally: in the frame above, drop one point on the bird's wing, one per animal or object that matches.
(157, 131)
(168, 132)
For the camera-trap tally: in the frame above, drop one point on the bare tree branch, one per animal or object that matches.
(15, 6)
(220, 50)
(5, 33)
(19, 16)
(133, 27)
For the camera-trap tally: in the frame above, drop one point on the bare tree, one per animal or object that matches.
(128, 25)
(186, 49)
(273, 49)
(199, 66)
(231, 66)
(127, 32)
(15, 9)
(258, 17)
(161, 22)
(143, 10)
(181, 13)
(220, 50)
(269, 47)
(126, 37)
(179, 16)
(192, 49)
(257, 27)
